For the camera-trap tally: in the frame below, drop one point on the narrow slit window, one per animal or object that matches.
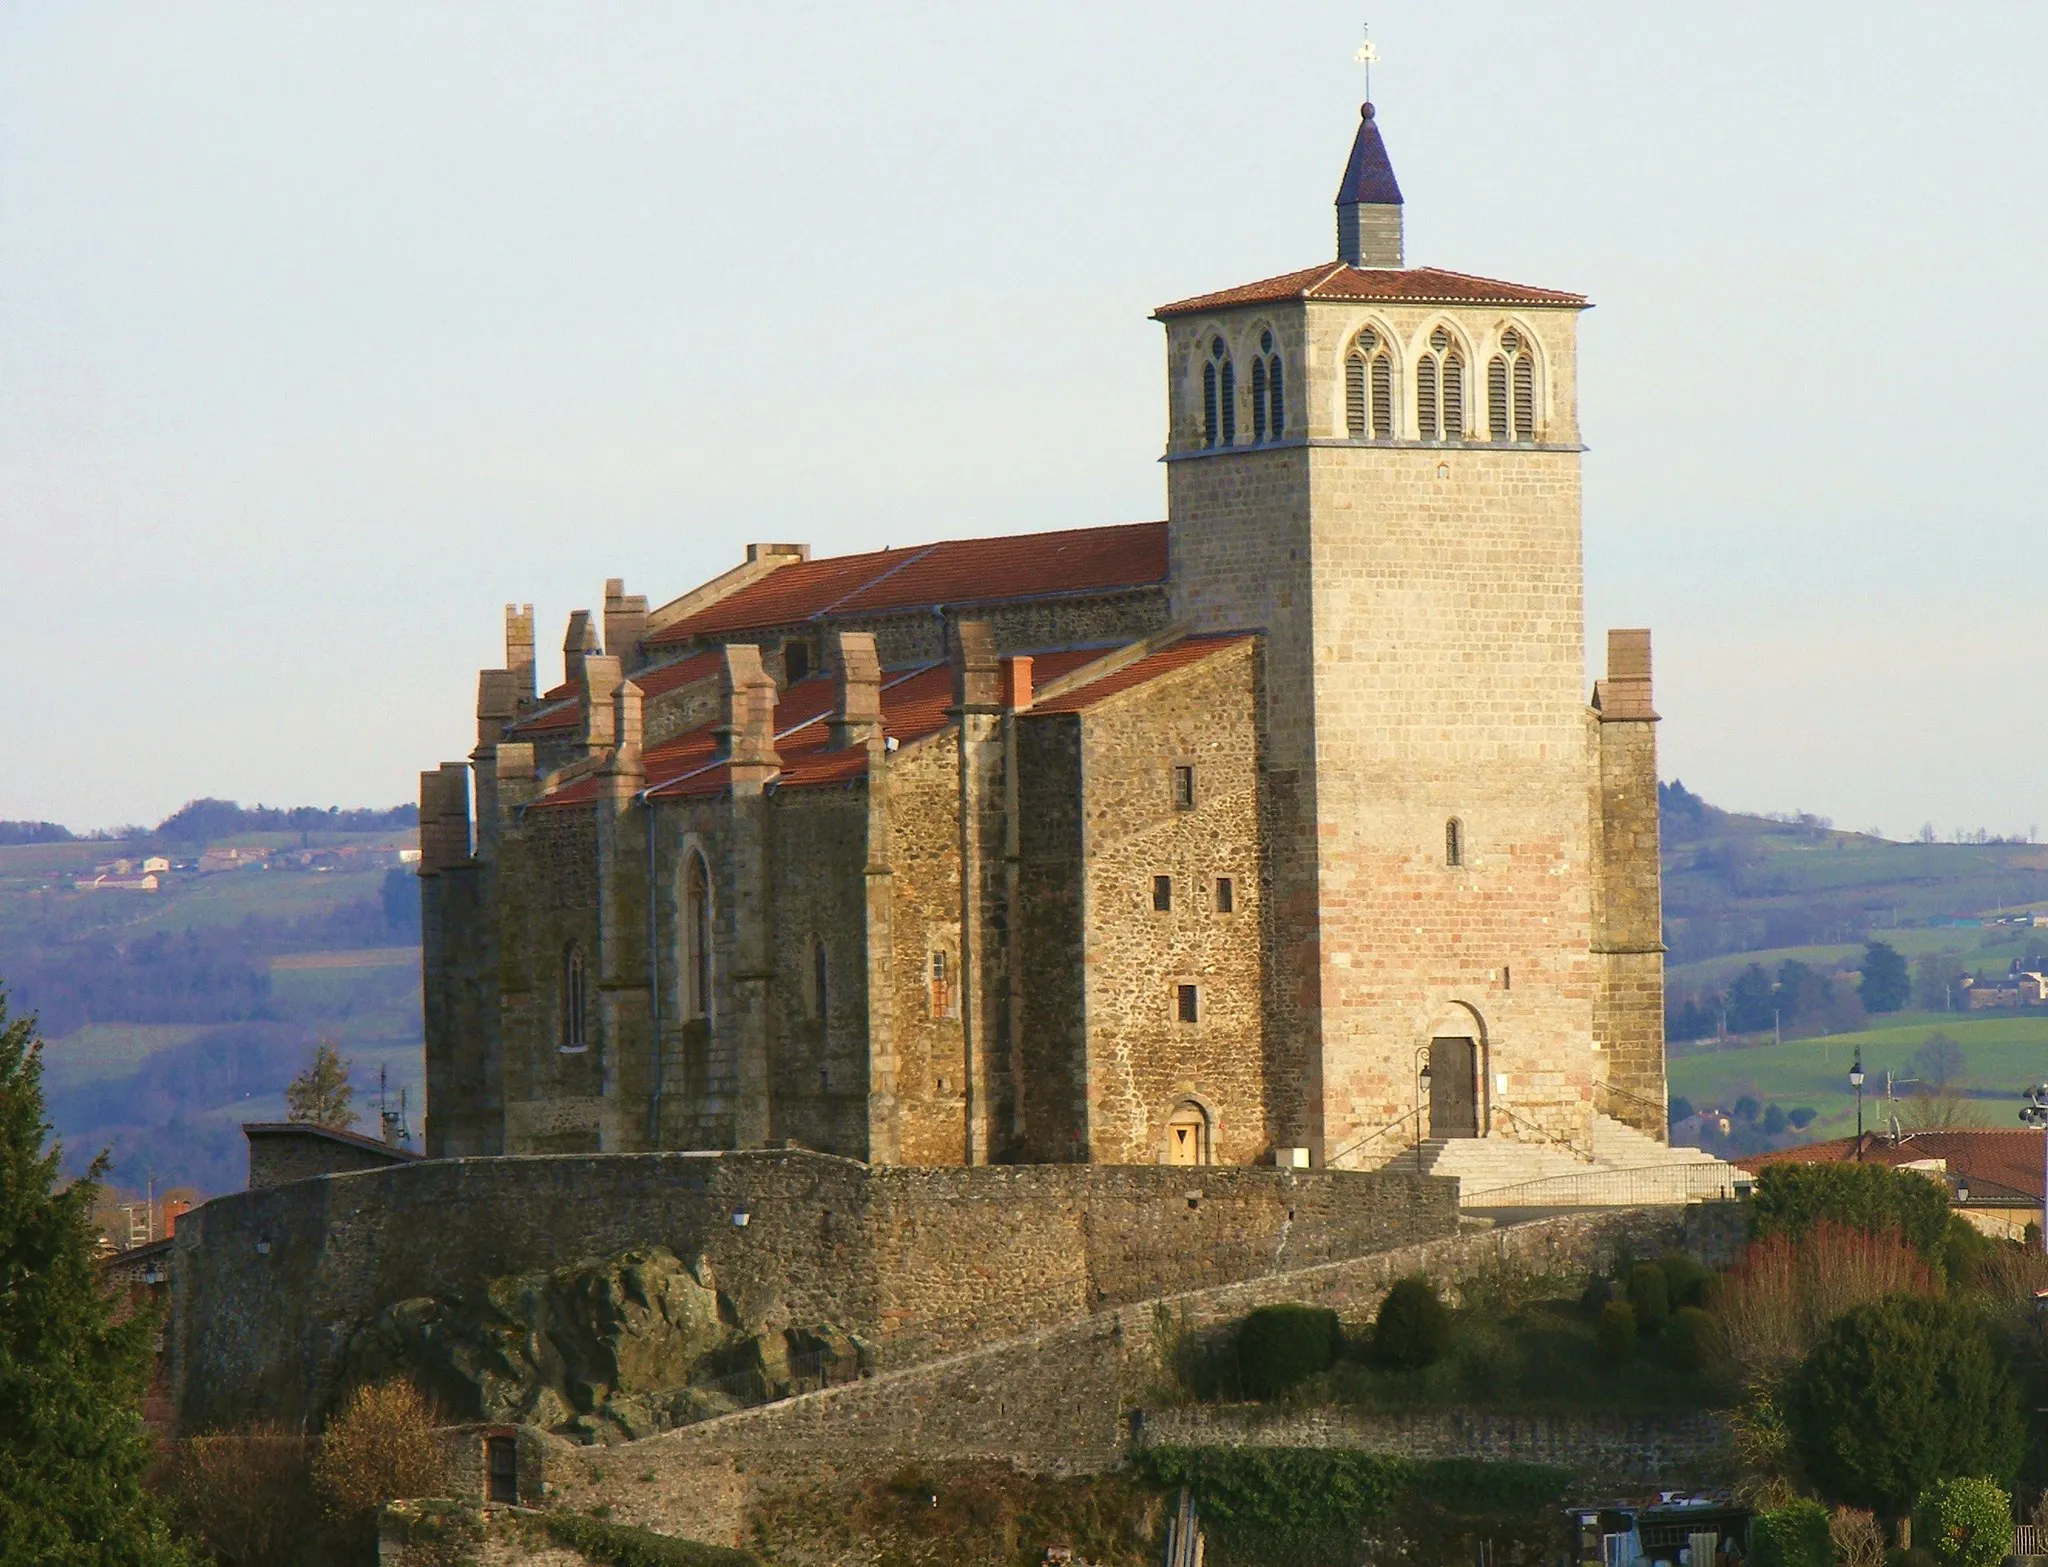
(1210, 428)
(1162, 894)
(942, 985)
(696, 939)
(1184, 788)
(1276, 397)
(1227, 391)
(1187, 1003)
(575, 1002)
(1226, 895)
(1258, 401)
(1454, 842)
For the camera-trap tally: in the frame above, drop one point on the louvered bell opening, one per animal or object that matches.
(1258, 401)
(1383, 398)
(1228, 397)
(1276, 394)
(1525, 400)
(1427, 424)
(1497, 399)
(1454, 397)
(1209, 425)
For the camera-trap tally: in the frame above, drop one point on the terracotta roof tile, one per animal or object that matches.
(1333, 280)
(1993, 1159)
(955, 571)
(1189, 650)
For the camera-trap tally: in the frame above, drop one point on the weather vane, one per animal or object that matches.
(1367, 55)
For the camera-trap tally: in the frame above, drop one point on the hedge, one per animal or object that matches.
(1795, 1535)
(1278, 1346)
(1791, 1198)
(621, 1545)
(1413, 1328)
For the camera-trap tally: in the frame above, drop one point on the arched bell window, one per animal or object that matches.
(1269, 392)
(1511, 390)
(696, 938)
(575, 1030)
(1219, 396)
(1369, 388)
(1440, 389)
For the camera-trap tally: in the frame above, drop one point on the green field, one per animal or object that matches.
(2002, 1055)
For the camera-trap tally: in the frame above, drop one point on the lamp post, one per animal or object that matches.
(1421, 1082)
(2034, 1113)
(1856, 1082)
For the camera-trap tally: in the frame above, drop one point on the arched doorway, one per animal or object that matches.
(1187, 1134)
(1453, 1087)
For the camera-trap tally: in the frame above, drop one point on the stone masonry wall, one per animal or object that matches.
(1052, 1046)
(1628, 1013)
(269, 1285)
(1073, 1398)
(1143, 1060)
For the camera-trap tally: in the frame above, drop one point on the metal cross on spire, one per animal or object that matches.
(1367, 56)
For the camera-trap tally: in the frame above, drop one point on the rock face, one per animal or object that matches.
(604, 1351)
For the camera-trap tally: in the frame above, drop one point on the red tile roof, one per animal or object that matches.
(1386, 285)
(955, 571)
(915, 704)
(1993, 1159)
(1189, 650)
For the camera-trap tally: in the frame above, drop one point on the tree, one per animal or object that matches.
(1886, 983)
(1966, 1522)
(73, 1367)
(1939, 1061)
(1898, 1394)
(1751, 1001)
(320, 1095)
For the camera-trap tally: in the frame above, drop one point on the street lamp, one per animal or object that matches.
(1421, 1082)
(2034, 1113)
(1856, 1082)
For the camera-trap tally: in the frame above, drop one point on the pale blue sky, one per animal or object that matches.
(327, 329)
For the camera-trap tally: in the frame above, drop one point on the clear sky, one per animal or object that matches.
(326, 329)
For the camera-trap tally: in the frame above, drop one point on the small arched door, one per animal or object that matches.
(1453, 1088)
(1187, 1134)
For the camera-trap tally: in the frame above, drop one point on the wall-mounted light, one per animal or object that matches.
(263, 1248)
(740, 1216)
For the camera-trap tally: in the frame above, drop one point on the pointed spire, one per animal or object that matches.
(1369, 201)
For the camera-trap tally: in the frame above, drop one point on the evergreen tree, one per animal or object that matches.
(321, 1095)
(1886, 983)
(73, 1367)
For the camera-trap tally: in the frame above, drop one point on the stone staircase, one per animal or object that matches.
(1626, 1169)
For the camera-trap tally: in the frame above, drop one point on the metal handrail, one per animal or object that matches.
(1378, 1132)
(1549, 1137)
(1660, 1106)
(1638, 1185)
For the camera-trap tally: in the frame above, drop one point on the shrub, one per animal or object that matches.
(1685, 1280)
(1690, 1338)
(1897, 1395)
(1795, 1535)
(1413, 1328)
(1965, 1522)
(1617, 1331)
(621, 1545)
(1964, 1250)
(1278, 1346)
(1858, 1537)
(1791, 1199)
(1646, 1293)
(380, 1448)
(1773, 1305)
(246, 1495)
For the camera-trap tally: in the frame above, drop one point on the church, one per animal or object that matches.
(1288, 830)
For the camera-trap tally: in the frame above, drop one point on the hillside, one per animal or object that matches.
(173, 1012)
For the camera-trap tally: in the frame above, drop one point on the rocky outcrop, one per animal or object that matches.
(602, 1351)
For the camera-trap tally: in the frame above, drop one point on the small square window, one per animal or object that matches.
(1184, 788)
(1226, 896)
(1162, 894)
(1187, 1003)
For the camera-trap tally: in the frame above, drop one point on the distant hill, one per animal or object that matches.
(171, 1015)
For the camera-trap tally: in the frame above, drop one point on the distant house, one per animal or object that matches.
(1992, 1174)
(2022, 988)
(106, 882)
(232, 859)
(281, 1151)
(156, 865)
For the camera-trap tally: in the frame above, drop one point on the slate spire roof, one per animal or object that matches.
(1369, 176)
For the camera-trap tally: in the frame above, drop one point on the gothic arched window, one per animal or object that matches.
(1219, 397)
(1369, 388)
(1454, 842)
(696, 938)
(1511, 390)
(1440, 389)
(1269, 392)
(575, 1032)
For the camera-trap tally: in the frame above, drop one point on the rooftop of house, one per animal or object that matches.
(927, 576)
(1992, 1161)
(264, 1129)
(916, 704)
(1337, 280)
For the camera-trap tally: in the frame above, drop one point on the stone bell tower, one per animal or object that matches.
(1378, 467)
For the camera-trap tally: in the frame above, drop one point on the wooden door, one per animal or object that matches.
(1187, 1136)
(1453, 1088)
